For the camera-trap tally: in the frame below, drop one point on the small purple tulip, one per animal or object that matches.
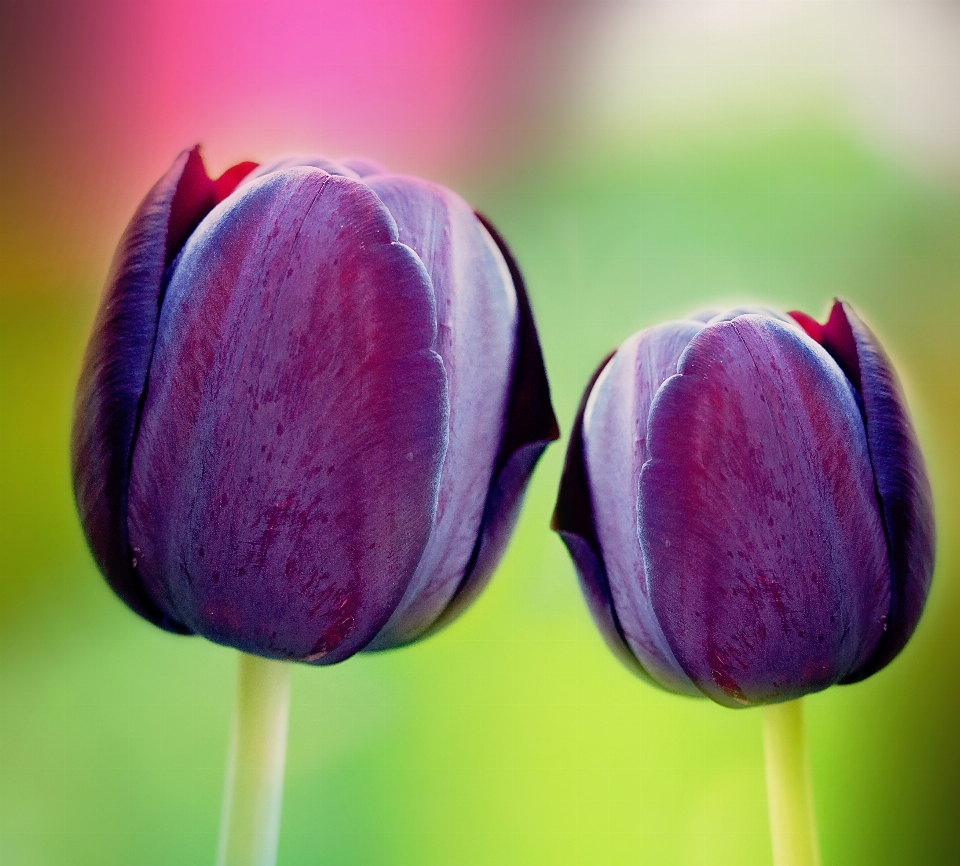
(747, 506)
(309, 408)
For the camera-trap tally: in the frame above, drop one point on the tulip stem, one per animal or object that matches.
(250, 823)
(793, 829)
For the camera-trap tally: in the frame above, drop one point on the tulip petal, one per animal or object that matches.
(761, 532)
(114, 371)
(362, 165)
(476, 337)
(728, 315)
(704, 314)
(285, 478)
(901, 478)
(615, 437)
(302, 160)
(231, 179)
(530, 426)
(573, 520)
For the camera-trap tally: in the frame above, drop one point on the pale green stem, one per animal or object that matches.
(793, 829)
(250, 823)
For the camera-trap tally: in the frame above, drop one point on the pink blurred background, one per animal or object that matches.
(99, 97)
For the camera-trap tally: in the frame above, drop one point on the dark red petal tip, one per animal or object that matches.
(230, 179)
(192, 201)
(836, 337)
(809, 324)
(196, 196)
(839, 341)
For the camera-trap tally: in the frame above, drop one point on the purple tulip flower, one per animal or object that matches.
(309, 408)
(747, 506)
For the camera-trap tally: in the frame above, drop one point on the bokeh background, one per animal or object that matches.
(643, 158)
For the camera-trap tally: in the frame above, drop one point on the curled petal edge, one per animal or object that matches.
(531, 426)
(573, 522)
(902, 485)
(117, 362)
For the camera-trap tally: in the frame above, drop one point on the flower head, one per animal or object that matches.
(747, 506)
(300, 426)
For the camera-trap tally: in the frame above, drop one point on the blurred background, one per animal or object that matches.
(643, 158)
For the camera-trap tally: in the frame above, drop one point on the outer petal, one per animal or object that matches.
(302, 160)
(900, 474)
(285, 477)
(761, 532)
(477, 332)
(114, 370)
(363, 165)
(705, 314)
(530, 426)
(729, 315)
(573, 520)
(615, 437)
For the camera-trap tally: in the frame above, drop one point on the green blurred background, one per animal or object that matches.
(654, 161)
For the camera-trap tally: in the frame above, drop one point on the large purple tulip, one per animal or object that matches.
(309, 408)
(747, 506)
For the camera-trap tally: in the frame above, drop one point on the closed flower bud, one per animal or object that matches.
(309, 407)
(747, 506)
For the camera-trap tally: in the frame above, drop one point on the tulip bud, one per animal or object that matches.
(309, 408)
(747, 506)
